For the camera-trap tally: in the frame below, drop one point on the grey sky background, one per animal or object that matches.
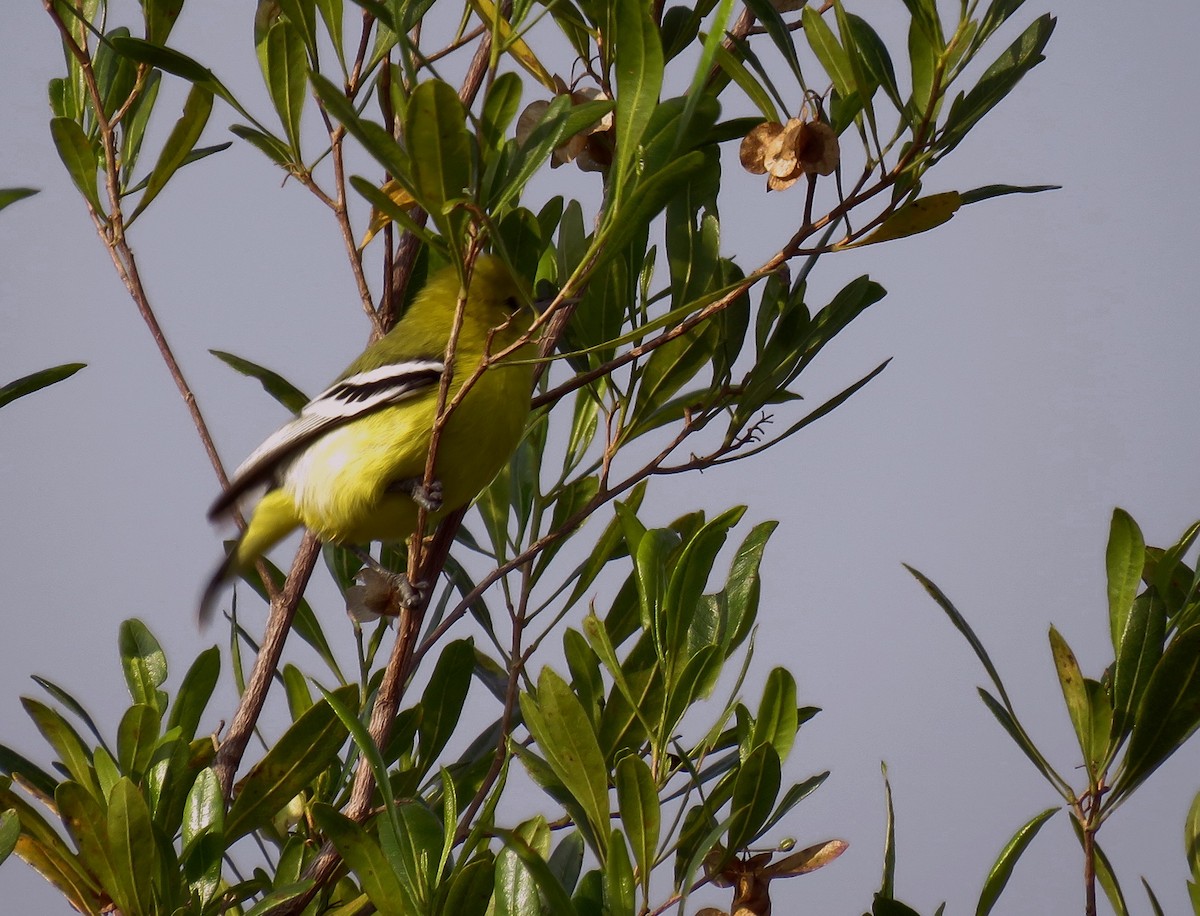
(1044, 371)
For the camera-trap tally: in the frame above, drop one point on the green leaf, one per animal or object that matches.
(144, 662)
(203, 835)
(1141, 646)
(755, 789)
(688, 578)
(638, 62)
(1168, 713)
(737, 72)
(743, 585)
(362, 854)
(12, 195)
(134, 852)
(987, 192)
(443, 699)
(777, 721)
(72, 752)
(1002, 869)
(10, 832)
(1008, 721)
(179, 144)
(618, 876)
(564, 733)
(304, 751)
(136, 737)
(997, 81)
(273, 384)
(499, 108)
(435, 127)
(1125, 558)
(521, 872)
(195, 690)
(160, 18)
(81, 157)
(285, 68)
(874, 54)
(918, 216)
(833, 57)
(637, 801)
(1071, 679)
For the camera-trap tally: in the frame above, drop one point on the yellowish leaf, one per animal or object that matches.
(921, 215)
(399, 196)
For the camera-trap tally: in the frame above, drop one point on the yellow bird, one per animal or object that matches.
(350, 466)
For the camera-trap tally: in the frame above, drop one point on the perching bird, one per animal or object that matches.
(350, 467)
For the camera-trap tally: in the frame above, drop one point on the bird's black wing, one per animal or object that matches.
(343, 401)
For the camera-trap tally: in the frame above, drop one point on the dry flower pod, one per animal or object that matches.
(784, 152)
(591, 149)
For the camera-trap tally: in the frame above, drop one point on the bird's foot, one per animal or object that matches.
(428, 497)
(383, 593)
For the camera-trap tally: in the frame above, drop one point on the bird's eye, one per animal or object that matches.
(512, 303)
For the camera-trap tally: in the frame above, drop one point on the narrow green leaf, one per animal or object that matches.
(10, 832)
(12, 195)
(997, 81)
(203, 835)
(85, 818)
(777, 720)
(1141, 646)
(755, 789)
(565, 735)
(887, 885)
(81, 157)
(743, 585)
(304, 751)
(440, 150)
(37, 780)
(987, 192)
(1168, 713)
(195, 690)
(1002, 869)
(913, 218)
(1191, 837)
(443, 700)
(363, 855)
(637, 801)
(1070, 678)
(179, 144)
(134, 852)
(1125, 558)
(874, 55)
(275, 901)
(136, 738)
(72, 752)
(737, 72)
(285, 66)
(143, 660)
(273, 384)
(829, 51)
(618, 876)
(499, 108)
(638, 62)
(519, 897)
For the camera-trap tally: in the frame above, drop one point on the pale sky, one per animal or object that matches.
(1044, 371)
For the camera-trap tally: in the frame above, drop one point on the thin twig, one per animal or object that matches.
(279, 623)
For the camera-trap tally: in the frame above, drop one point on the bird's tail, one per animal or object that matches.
(274, 518)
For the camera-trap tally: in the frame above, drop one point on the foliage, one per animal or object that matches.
(661, 354)
(1127, 723)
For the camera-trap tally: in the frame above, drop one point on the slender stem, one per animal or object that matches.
(279, 622)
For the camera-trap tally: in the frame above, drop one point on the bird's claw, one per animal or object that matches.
(428, 497)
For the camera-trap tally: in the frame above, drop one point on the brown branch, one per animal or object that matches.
(279, 623)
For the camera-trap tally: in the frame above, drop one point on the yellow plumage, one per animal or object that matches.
(344, 468)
